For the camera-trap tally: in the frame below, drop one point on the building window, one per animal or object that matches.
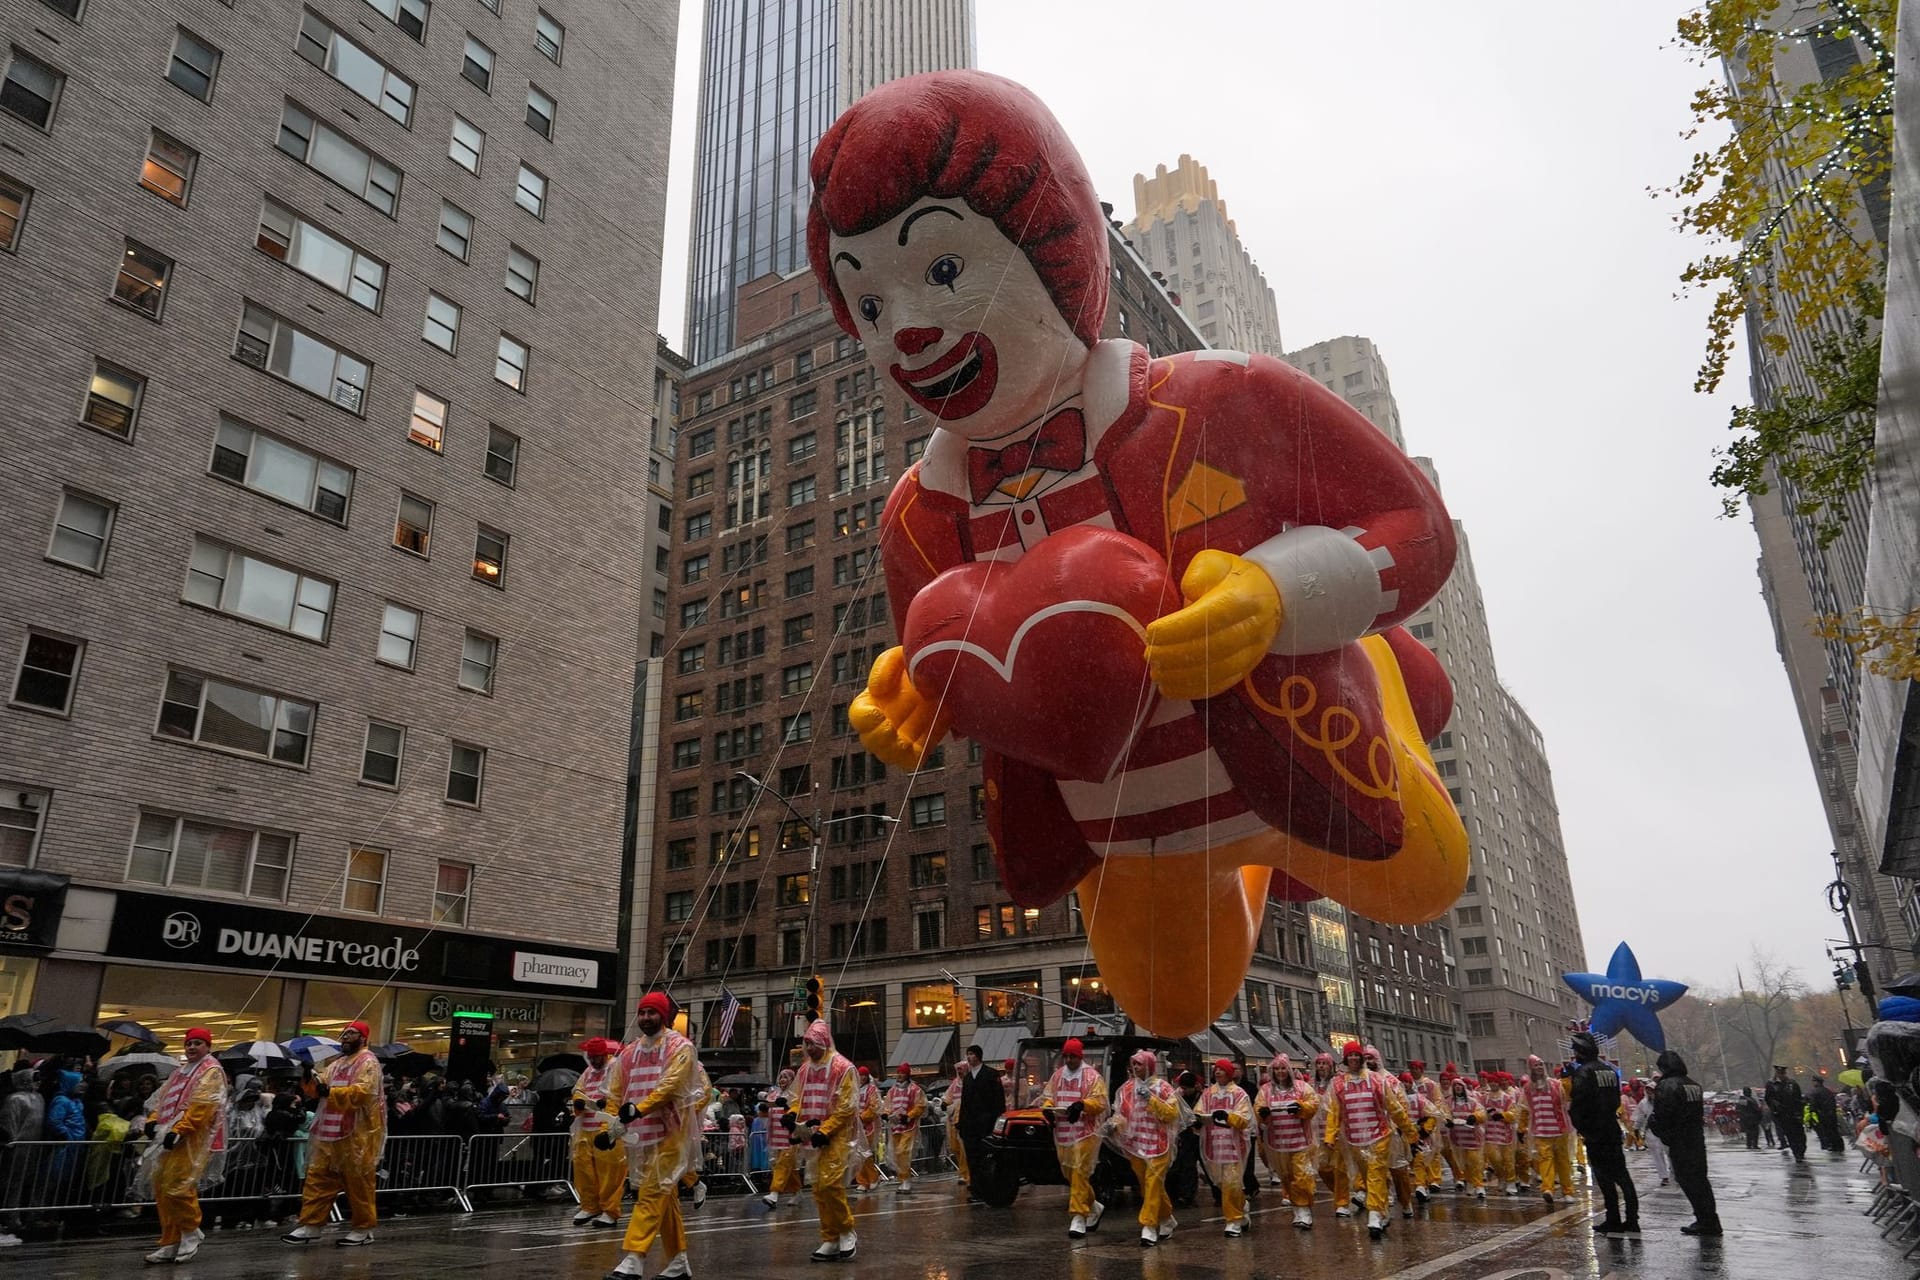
(413, 525)
(548, 36)
(49, 669)
(327, 48)
(928, 811)
(409, 15)
(81, 529)
(14, 197)
(541, 109)
(680, 853)
(530, 192)
(503, 454)
(799, 582)
(318, 253)
(465, 768)
(686, 753)
(490, 556)
(427, 426)
(479, 656)
(523, 272)
(250, 722)
(452, 891)
(694, 569)
(700, 443)
(984, 869)
(380, 758)
(167, 172)
(797, 727)
(679, 906)
(233, 582)
(31, 88)
(510, 365)
(465, 146)
(929, 869)
(187, 854)
(307, 361)
(22, 811)
(801, 491)
(442, 327)
(930, 927)
(366, 884)
(456, 231)
(477, 65)
(399, 635)
(113, 399)
(193, 64)
(142, 280)
(284, 472)
(343, 161)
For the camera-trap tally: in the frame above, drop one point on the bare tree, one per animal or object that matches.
(1764, 1009)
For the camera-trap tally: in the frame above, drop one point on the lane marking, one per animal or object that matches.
(1436, 1265)
(763, 1225)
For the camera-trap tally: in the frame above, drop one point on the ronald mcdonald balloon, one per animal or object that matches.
(1164, 594)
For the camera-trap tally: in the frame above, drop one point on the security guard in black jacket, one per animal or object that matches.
(1594, 1107)
(1680, 1121)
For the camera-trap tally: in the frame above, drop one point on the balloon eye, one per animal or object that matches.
(870, 308)
(945, 270)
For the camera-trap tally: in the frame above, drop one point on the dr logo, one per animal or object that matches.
(180, 930)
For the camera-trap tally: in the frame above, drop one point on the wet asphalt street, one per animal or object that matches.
(1780, 1223)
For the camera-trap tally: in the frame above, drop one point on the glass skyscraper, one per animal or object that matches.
(773, 75)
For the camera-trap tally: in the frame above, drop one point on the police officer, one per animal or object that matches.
(1679, 1120)
(1594, 1106)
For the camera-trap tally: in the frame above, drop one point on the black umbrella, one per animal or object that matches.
(1907, 984)
(68, 1039)
(130, 1030)
(554, 1080)
(743, 1080)
(562, 1062)
(15, 1032)
(400, 1060)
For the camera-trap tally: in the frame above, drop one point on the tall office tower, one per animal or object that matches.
(1804, 581)
(1181, 228)
(329, 361)
(784, 849)
(1487, 982)
(773, 75)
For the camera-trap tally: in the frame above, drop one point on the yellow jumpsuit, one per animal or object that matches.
(1500, 1166)
(1369, 1153)
(349, 1132)
(1468, 1159)
(1331, 1159)
(1552, 1156)
(1148, 1111)
(1427, 1163)
(905, 1105)
(599, 1177)
(867, 1102)
(834, 1077)
(658, 1154)
(1295, 1168)
(1225, 1150)
(196, 1110)
(1077, 1143)
(786, 1160)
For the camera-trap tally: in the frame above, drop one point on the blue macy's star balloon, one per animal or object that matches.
(1623, 1000)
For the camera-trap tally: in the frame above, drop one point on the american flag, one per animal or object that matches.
(729, 1010)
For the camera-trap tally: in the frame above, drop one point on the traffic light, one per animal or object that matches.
(816, 998)
(1843, 976)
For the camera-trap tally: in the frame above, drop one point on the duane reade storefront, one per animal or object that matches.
(252, 974)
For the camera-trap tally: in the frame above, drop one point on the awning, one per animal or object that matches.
(1212, 1044)
(998, 1043)
(1294, 1044)
(1251, 1044)
(922, 1048)
(1105, 1024)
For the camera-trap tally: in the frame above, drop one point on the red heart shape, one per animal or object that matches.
(1043, 660)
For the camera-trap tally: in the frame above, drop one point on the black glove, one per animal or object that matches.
(628, 1113)
(819, 1139)
(322, 1088)
(789, 1122)
(171, 1141)
(579, 1104)
(1266, 1113)
(1075, 1111)
(1050, 1115)
(1292, 1108)
(603, 1141)
(1473, 1120)
(1220, 1118)
(151, 1129)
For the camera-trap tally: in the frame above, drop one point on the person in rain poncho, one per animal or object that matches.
(1503, 1106)
(1285, 1108)
(905, 1105)
(1227, 1113)
(1073, 1101)
(1548, 1124)
(349, 1134)
(866, 1167)
(187, 1131)
(1363, 1111)
(1467, 1118)
(781, 1121)
(660, 1094)
(599, 1169)
(825, 1084)
(1144, 1118)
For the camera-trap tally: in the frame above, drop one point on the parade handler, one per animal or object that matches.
(828, 1118)
(599, 1170)
(1143, 1126)
(780, 1125)
(348, 1136)
(1363, 1111)
(1073, 1102)
(187, 1133)
(1286, 1107)
(1228, 1114)
(904, 1107)
(1550, 1128)
(865, 1159)
(660, 1093)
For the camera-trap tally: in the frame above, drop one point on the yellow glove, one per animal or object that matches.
(895, 721)
(1232, 614)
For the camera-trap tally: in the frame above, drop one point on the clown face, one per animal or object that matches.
(973, 336)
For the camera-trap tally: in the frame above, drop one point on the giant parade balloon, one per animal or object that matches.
(1622, 1000)
(1164, 594)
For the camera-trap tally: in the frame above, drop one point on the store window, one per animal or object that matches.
(16, 984)
(236, 1007)
(331, 1005)
(935, 1004)
(1009, 997)
(860, 1024)
(1088, 995)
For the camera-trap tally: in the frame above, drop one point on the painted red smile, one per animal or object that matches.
(959, 383)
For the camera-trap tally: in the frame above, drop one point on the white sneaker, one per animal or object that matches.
(699, 1198)
(1147, 1238)
(1236, 1229)
(849, 1244)
(1093, 1219)
(678, 1267)
(356, 1238)
(1273, 1181)
(605, 1220)
(165, 1253)
(1376, 1225)
(1303, 1219)
(1358, 1199)
(1344, 1211)
(631, 1264)
(1077, 1229)
(1167, 1225)
(771, 1199)
(189, 1245)
(904, 1189)
(582, 1218)
(302, 1235)
(8, 1240)
(828, 1251)
(1480, 1194)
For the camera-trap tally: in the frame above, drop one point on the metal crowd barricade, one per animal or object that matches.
(419, 1165)
(56, 1176)
(520, 1160)
(724, 1163)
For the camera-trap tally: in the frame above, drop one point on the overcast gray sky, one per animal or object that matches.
(1469, 190)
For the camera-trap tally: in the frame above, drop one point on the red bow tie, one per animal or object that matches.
(1059, 445)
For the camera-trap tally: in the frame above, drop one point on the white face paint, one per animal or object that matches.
(968, 330)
